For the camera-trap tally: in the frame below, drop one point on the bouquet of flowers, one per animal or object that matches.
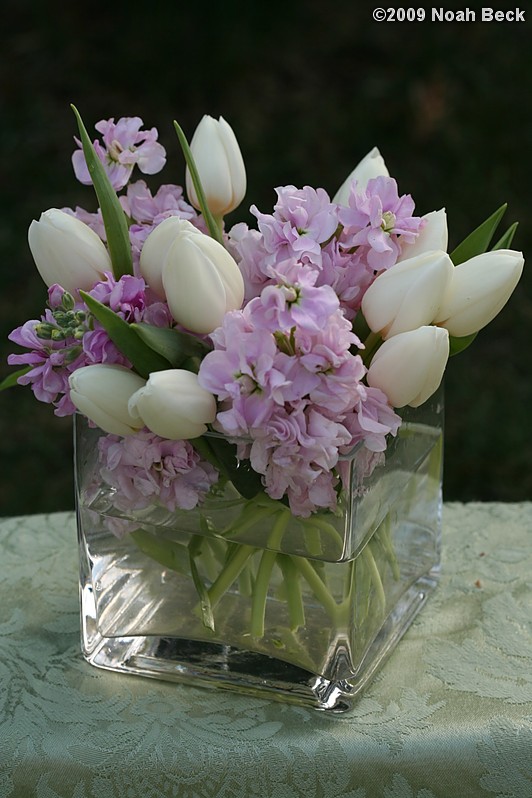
(245, 366)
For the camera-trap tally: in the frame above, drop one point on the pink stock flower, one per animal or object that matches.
(146, 469)
(290, 388)
(375, 219)
(124, 146)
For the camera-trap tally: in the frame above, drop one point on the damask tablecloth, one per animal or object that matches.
(449, 716)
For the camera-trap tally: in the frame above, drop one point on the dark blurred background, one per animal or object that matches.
(309, 88)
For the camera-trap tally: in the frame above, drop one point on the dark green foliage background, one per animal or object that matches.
(309, 89)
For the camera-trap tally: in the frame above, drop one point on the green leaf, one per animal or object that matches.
(506, 240)
(113, 215)
(166, 552)
(175, 346)
(457, 345)
(11, 379)
(214, 230)
(478, 241)
(244, 478)
(143, 358)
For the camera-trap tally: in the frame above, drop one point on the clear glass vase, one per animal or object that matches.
(243, 595)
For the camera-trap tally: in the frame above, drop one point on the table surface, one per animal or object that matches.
(450, 714)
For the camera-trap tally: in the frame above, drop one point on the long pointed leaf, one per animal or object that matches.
(505, 241)
(12, 379)
(457, 345)
(214, 230)
(478, 241)
(144, 359)
(177, 347)
(113, 215)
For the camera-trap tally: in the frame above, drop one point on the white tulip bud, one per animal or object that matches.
(433, 235)
(479, 289)
(409, 367)
(102, 392)
(174, 405)
(156, 247)
(220, 166)
(372, 165)
(201, 282)
(407, 295)
(66, 251)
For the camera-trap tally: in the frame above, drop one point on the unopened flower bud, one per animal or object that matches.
(409, 367)
(201, 282)
(220, 166)
(372, 165)
(102, 392)
(174, 405)
(479, 289)
(156, 247)
(67, 252)
(407, 295)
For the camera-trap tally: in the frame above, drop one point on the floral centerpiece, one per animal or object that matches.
(258, 411)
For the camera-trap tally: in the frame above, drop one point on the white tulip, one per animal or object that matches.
(201, 282)
(409, 367)
(66, 251)
(174, 405)
(479, 289)
(220, 166)
(372, 165)
(102, 392)
(407, 295)
(434, 235)
(156, 247)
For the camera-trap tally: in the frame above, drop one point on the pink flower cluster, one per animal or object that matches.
(124, 146)
(144, 468)
(344, 246)
(78, 339)
(291, 390)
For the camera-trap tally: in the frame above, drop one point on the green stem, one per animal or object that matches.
(294, 599)
(383, 538)
(260, 592)
(262, 580)
(230, 573)
(316, 585)
(375, 576)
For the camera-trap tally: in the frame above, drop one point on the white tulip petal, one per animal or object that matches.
(156, 247)
(220, 166)
(479, 289)
(66, 251)
(102, 392)
(407, 295)
(409, 367)
(173, 405)
(372, 165)
(434, 235)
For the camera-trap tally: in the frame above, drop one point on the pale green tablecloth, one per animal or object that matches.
(450, 715)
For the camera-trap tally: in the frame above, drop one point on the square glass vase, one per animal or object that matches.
(242, 595)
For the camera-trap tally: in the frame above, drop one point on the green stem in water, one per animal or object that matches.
(230, 573)
(367, 555)
(262, 580)
(316, 585)
(292, 585)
